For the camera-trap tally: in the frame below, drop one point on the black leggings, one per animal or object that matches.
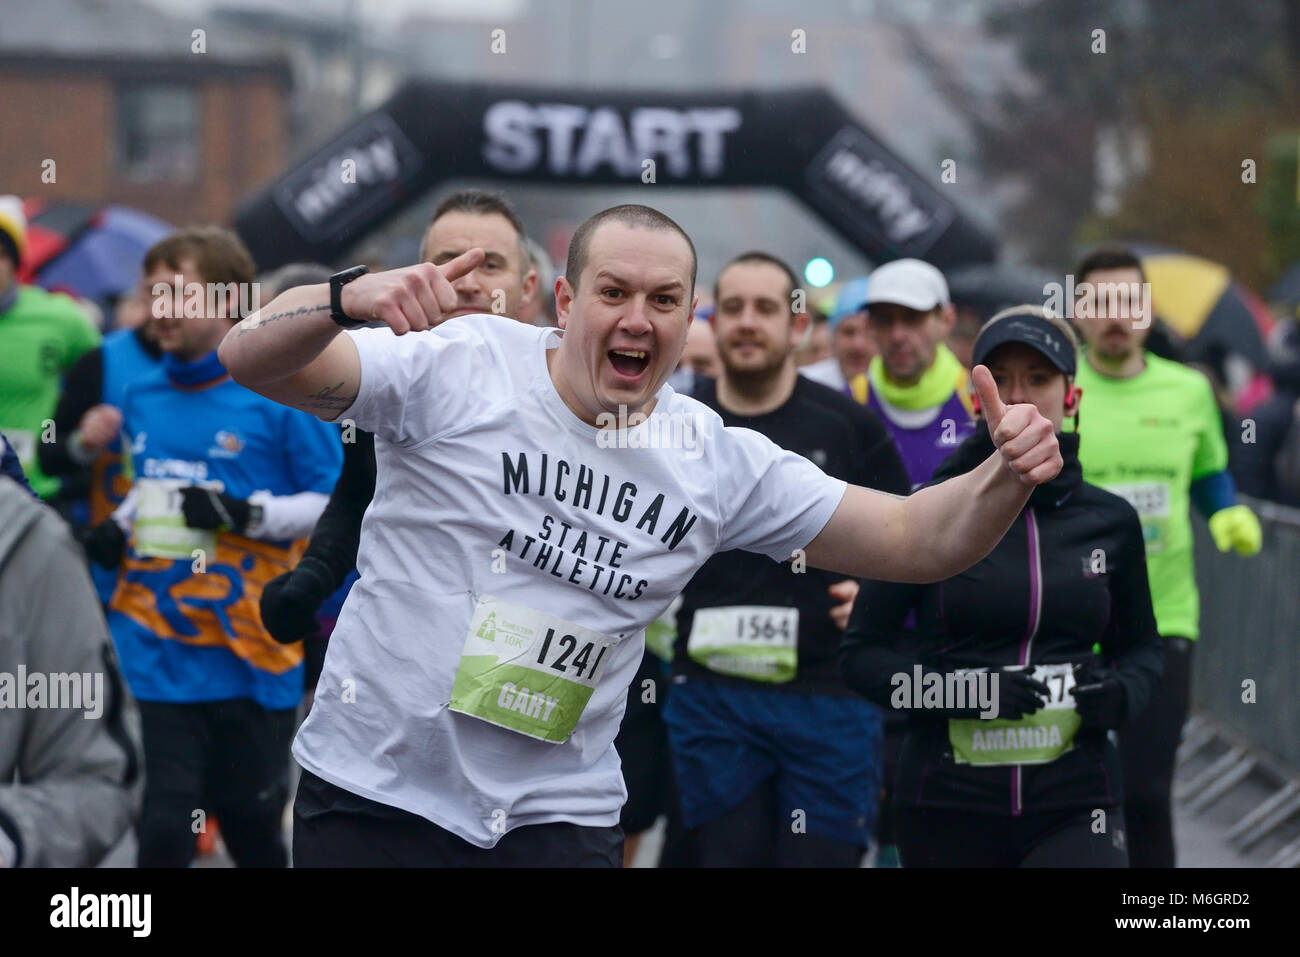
(1070, 838)
(227, 758)
(332, 827)
(1148, 746)
(754, 834)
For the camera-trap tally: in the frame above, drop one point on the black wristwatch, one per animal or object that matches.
(337, 282)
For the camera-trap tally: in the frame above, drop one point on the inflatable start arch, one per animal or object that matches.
(800, 140)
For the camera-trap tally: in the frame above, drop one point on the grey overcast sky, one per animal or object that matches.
(387, 11)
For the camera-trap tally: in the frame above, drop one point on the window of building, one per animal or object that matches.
(158, 133)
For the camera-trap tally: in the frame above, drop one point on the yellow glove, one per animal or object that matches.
(1237, 527)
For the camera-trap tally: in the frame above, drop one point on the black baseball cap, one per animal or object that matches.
(1032, 329)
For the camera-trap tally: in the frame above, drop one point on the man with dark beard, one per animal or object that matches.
(778, 764)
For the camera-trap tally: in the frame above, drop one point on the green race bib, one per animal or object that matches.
(757, 642)
(1151, 501)
(160, 529)
(1039, 738)
(528, 671)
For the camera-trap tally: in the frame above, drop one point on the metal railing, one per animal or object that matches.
(1250, 632)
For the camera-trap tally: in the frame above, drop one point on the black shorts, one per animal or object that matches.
(333, 827)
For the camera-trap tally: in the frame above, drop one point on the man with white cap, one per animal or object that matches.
(914, 382)
(851, 343)
(41, 336)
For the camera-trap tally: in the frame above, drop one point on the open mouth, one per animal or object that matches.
(629, 363)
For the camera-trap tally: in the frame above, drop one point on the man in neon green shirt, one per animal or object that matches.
(41, 335)
(1154, 436)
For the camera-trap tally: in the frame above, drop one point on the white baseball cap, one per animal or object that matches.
(908, 282)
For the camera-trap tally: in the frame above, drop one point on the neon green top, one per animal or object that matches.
(1147, 438)
(41, 336)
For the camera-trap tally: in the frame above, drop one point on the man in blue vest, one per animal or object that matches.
(88, 422)
(223, 483)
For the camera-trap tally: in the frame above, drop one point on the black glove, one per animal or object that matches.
(105, 544)
(1019, 694)
(1099, 697)
(290, 601)
(205, 508)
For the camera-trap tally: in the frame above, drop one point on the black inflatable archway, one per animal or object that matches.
(800, 139)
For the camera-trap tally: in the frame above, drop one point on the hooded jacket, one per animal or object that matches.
(69, 731)
(1068, 574)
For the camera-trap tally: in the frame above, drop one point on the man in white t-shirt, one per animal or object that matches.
(541, 497)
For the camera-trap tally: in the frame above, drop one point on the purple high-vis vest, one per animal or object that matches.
(924, 449)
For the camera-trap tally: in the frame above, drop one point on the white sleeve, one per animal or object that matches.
(286, 516)
(124, 514)
(416, 386)
(772, 501)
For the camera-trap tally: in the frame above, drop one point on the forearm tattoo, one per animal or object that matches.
(328, 399)
(247, 326)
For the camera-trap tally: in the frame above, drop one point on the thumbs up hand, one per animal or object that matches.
(1021, 433)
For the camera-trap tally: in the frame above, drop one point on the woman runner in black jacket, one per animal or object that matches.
(1057, 619)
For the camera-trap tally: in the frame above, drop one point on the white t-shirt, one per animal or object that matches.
(479, 466)
(826, 371)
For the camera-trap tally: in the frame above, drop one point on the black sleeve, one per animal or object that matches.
(338, 531)
(871, 649)
(1131, 639)
(83, 388)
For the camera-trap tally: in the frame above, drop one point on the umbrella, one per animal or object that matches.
(1286, 290)
(1224, 324)
(90, 252)
(1214, 313)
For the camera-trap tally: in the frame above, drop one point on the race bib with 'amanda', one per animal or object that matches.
(758, 642)
(528, 671)
(1039, 738)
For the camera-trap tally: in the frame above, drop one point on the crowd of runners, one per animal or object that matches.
(517, 564)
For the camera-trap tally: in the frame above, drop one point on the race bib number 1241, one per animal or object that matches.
(528, 671)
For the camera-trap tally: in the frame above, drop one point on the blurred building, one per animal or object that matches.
(339, 68)
(113, 101)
